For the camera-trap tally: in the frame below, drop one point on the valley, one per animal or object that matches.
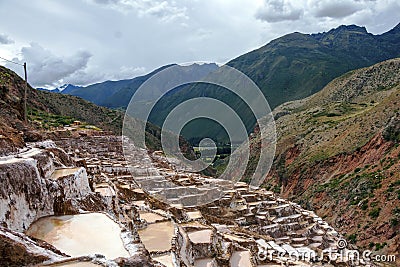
(75, 191)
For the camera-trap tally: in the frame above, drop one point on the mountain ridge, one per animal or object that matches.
(328, 50)
(290, 67)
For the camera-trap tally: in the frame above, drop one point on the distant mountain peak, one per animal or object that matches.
(352, 27)
(341, 30)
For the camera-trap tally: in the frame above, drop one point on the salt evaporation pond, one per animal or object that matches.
(241, 259)
(205, 262)
(63, 172)
(80, 235)
(157, 236)
(75, 264)
(202, 236)
(165, 259)
(151, 217)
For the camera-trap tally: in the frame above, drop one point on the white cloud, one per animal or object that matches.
(278, 10)
(335, 9)
(126, 72)
(129, 37)
(46, 68)
(4, 39)
(164, 10)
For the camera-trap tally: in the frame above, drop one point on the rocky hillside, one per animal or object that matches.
(338, 154)
(47, 111)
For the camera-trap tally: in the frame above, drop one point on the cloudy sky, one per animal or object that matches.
(87, 41)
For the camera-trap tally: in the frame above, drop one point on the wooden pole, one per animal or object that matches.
(26, 89)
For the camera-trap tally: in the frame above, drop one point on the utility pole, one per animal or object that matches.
(26, 85)
(26, 89)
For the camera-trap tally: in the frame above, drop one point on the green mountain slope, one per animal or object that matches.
(288, 68)
(298, 65)
(117, 94)
(291, 67)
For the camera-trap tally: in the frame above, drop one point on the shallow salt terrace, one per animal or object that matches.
(105, 190)
(139, 203)
(200, 237)
(206, 262)
(80, 235)
(241, 259)
(165, 259)
(64, 172)
(151, 217)
(157, 236)
(75, 264)
(193, 215)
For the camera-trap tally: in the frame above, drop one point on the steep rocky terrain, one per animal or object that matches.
(338, 154)
(47, 109)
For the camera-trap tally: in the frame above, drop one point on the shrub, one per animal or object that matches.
(396, 211)
(379, 246)
(374, 213)
(364, 206)
(276, 189)
(353, 238)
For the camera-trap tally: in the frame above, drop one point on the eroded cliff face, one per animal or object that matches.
(358, 193)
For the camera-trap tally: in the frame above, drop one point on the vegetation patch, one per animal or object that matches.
(352, 238)
(363, 186)
(374, 213)
(48, 120)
